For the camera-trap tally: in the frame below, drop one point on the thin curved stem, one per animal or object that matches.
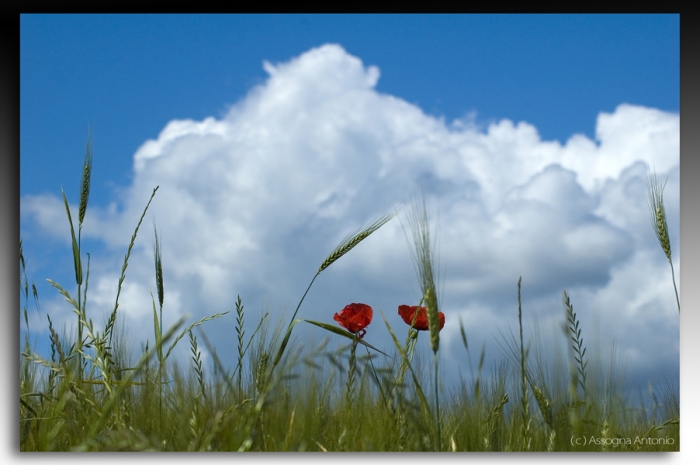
(302, 297)
(673, 277)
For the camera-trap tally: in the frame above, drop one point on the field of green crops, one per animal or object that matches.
(89, 393)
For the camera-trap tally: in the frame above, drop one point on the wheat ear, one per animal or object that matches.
(658, 219)
(424, 262)
(85, 181)
(159, 270)
(355, 238)
(545, 406)
(578, 347)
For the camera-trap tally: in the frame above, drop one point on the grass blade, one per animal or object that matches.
(76, 250)
(189, 328)
(342, 332)
(113, 317)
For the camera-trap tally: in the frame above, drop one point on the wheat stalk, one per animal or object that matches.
(158, 322)
(545, 406)
(658, 213)
(659, 223)
(159, 270)
(424, 262)
(240, 332)
(354, 238)
(85, 181)
(190, 328)
(197, 361)
(261, 373)
(113, 317)
(579, 349)
(491, 441)
(523, 378)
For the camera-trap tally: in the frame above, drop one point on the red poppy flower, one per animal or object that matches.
(407, 313)
(355, 318)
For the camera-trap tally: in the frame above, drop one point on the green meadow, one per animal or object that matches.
(93, 390)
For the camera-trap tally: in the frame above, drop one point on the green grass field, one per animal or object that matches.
(94, 392)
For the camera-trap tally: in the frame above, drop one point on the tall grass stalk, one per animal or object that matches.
(158, 318)
(240, 332)
(578, 347)
(523, 378)
(197, 362)
(77, 260)
(577, 369)
(109, 329)
(424, 263)
(659, 223)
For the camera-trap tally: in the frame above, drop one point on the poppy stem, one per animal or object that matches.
(351, 374)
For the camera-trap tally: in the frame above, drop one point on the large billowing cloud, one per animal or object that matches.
(252, 203)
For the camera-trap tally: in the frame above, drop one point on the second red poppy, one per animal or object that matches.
(407, 313)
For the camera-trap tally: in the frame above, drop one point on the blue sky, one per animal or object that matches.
(531, 135)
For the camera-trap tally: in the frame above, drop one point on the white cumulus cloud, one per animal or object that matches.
(253, 202)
